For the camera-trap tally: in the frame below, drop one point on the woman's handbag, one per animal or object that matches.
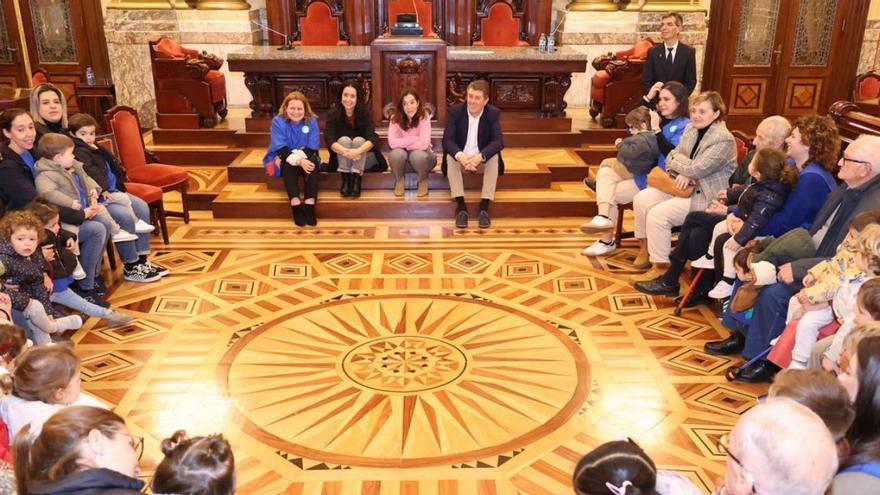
(665, 181)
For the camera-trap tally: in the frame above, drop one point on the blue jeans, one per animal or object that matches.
(37, 336)
(768, 320)
(72, 300)
(129, 251)
(92, 240)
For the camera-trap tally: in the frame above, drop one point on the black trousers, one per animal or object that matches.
(693, 242)
(291, 176)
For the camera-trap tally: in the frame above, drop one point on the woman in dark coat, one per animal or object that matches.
(353, 142)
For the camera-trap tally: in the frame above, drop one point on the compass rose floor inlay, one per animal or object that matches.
(412, 359)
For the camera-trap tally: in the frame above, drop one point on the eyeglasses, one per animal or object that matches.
(860, 162)
(724, 444)
(137, 443)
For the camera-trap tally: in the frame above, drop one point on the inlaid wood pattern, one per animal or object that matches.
(415, 358)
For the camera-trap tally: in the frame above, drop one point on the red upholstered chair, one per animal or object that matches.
(867, 86)
(499, 26)
(190, 89)
(319, 25)
(40, 76)
(617, 85)
(123, 122)
(423, 9)
(151, 195)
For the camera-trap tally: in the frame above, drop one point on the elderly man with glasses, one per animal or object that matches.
(858, 192)
(778, 447)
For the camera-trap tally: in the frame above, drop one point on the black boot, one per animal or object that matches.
(657, 287)
(761, 372)
(356, 185)
(345, 189)
(731, 345)
(310, 215)
(299, 215)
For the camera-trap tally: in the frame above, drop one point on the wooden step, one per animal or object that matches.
(510, 122)
(513, 179)
(594, 155)
(195, 136)
(178, 156)
(257, 201)
(602, 136)
(560, 139)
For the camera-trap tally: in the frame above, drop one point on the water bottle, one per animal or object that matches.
(542, 43)
(551, 43)
(90, 76)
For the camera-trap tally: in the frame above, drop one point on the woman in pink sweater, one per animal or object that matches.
(409, 137)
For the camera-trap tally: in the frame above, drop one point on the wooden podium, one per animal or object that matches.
(400, 63)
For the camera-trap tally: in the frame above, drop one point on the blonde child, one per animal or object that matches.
(827, 285)
(24, 276)
(846, 299)
(62, 269)
(46, 379)
(62, 180)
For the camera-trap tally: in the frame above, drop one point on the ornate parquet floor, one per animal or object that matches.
(412, 358)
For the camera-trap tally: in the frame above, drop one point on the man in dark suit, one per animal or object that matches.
(669, 61)
(472, 141)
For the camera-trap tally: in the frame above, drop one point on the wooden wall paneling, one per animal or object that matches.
(93, 23)
(275, 20)
(360, 21)
(460, 21)
(538, 14)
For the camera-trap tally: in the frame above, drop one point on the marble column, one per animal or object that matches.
(129, 31)
(600, 32)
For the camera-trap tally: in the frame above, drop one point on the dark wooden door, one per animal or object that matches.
(786, 57)
(12, 72)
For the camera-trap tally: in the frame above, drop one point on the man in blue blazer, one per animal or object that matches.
(669, 61)
(472, 141)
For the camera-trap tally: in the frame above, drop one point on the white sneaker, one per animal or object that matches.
(722, 290)
(703, 262)
(78, 272)
(142, 227)
(123, 236)
(597, 224)
(598, 248)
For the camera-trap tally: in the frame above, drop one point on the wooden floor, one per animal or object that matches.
(408, 357)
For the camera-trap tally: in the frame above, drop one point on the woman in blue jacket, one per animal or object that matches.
(293, 153)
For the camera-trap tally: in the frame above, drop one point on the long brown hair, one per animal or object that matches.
(864, 434)
(821, 135)
(400, 117)
(55, 452)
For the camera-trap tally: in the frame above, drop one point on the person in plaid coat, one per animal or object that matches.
(706, 157)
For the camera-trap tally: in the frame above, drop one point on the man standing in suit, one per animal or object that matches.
(472, 141)
(669, 61)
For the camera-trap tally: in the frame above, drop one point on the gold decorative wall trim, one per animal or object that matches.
(22, 43)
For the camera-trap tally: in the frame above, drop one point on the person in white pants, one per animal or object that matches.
(705, 156)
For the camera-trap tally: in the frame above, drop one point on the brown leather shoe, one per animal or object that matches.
(423, 188)
(398, 187)
(657, 270)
